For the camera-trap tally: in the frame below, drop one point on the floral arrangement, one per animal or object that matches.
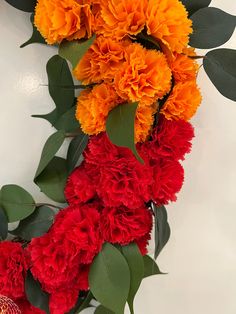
(126, 111)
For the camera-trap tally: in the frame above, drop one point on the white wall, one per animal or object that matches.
(201, 255)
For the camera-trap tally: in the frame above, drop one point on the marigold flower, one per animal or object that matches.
(167, 20)
(183, 101)
(183, 68)
(118, 18)
(63, 19)
(102, 60)
(144, 76)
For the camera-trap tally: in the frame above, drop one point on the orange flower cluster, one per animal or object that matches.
(123, 67)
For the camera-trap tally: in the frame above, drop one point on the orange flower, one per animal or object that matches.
(183, 101)
(118, 18)
(167, 20)
(101, 61)
(93, 107)
(63, 19)
(183, 68)
(144, 121)
(144, 76)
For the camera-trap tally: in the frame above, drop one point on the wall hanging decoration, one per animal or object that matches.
(124, 83)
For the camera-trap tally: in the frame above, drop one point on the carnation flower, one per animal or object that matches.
(80, 186)
(93, 107)
(68, 19)
(145, 75)
(13, 267)
(183, 101)
(169, 139)
(118, 18)
(183, 68)
(123, 225)
(27, 308)
(101, 62)
(62, 301)
(7, 306)
(167, 20)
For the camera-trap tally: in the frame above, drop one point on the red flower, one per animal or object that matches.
(80, 187)
(13, 267)
(168, 179)
(27, 308)
(74, 239)
(62, 301)
(170, 139)
(123, 225)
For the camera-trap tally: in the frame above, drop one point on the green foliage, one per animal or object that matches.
(102, 310)
(194, 5)
(212, 28)
(16, 202)
(74, 51)
(220, 66)
(162, 228)
(50, 148)
(120, 126)
(36, 225)
(83, 303)
(36, 37)
(3, 225)
(23, 5)
(50, 117)
(67, 121)
(53, 178)
(136, 266)
(59, 75)
(109, 279)
(150, 267)
(35, 295)
(75, 150)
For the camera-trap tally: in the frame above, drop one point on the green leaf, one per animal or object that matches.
(85, 303)
(23, 5)
(120, 126)
(136, 266)
(150, 267)
(67, 121)
(212, 28)
(59, 74)
(109, 278)
(194, 5)
(74, 51)
(36, 224)
(162, 228)
(75, 150)
(102, 310)
(52, 180)
(51, 147)
(36, 37)
(3, 225)
(220, 66)
(50, 117)
(35, 295)
(16, 202)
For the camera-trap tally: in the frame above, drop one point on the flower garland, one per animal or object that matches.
(130, 132)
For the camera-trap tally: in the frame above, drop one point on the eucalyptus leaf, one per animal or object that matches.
(67, 121)
(84, 304)
(162, 228)
(102, 310)
(194, 5)
(36, 37)
(3, 225)
(23, 5)
(51, 147)
(212, 28)
(74, 51)
(150, 267)
(52, 179)
(36, 225)
(75, 150)
(35, 295)
(120, 126)
(50, 117)
(109, 279)
(16, 202)
(59, 74)
(135, 262)
(220, 66)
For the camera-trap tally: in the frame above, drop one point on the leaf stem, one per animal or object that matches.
(49, 205)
